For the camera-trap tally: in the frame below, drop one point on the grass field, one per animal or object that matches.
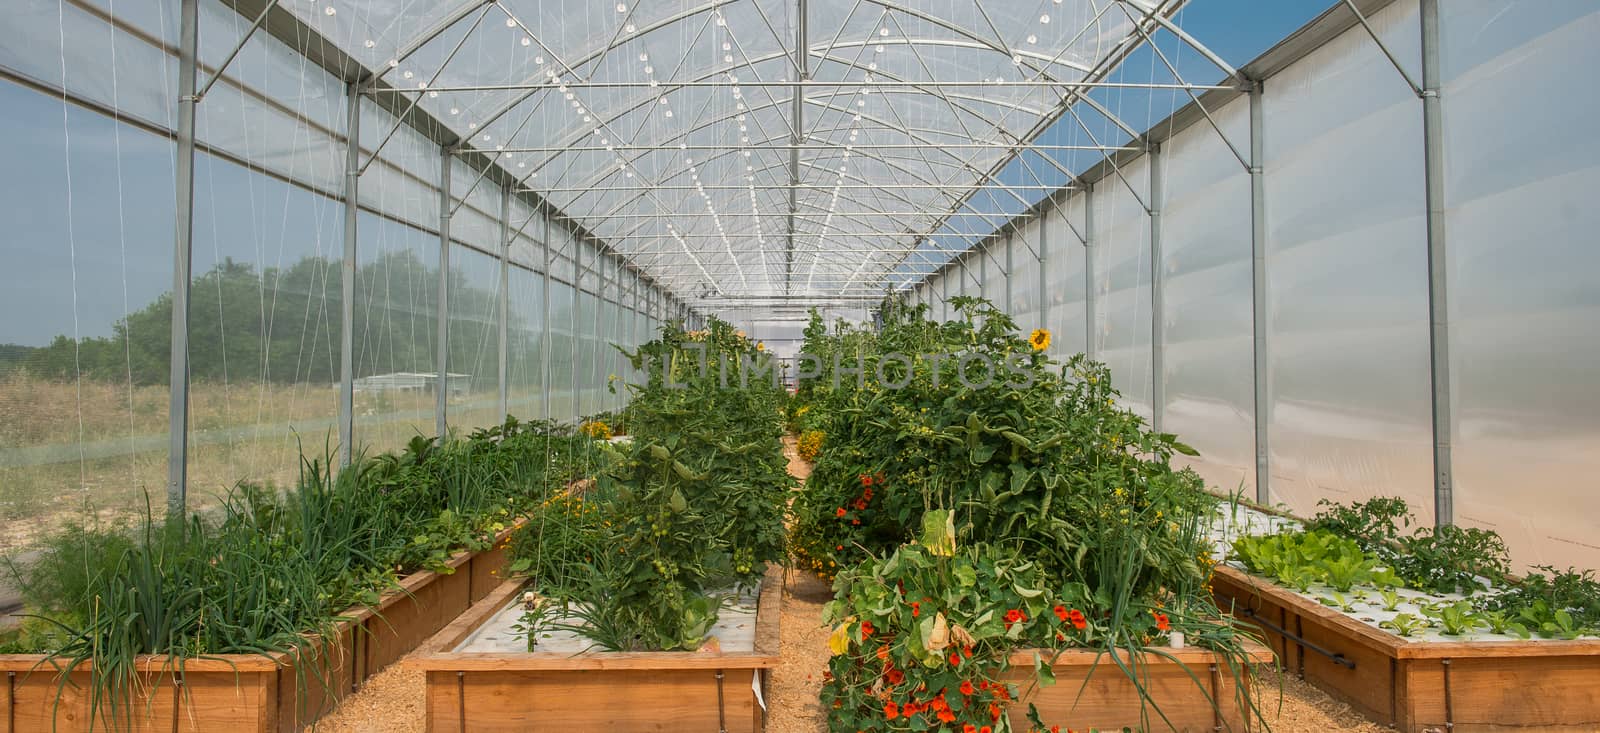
(69, 450)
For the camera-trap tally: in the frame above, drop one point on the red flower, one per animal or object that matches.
(994, 711)
(866, 628)
(855, 521)
(916, 608)
(910, 709)
(945, 716)
(883, 652)
(866, 479)
(866, 494)
(838, 547)
(860, 504)
(895, 676)
(838, 512)
(969, 728)
(1161, 622)
(890, 711)
(966, 652)
(1078, 621)
(1002, 692)
(1061, 612)
(984, 729)
(955, 659)
(966, 687)
(1013, 616)
(880, 477)
(1060, 636)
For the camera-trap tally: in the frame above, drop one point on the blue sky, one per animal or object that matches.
(1235, 30)
(89, 224)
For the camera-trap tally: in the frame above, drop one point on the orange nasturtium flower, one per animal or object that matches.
(890, 710)
(1161, 621)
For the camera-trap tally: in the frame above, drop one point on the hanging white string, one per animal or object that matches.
(72, 243)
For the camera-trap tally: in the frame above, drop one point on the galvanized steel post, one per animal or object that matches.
(442, 389)
(182, 259)
(1438, 263)
(1258, 299)
(1091, 337)
(347, 271)
(1158, 304)
(504, 361)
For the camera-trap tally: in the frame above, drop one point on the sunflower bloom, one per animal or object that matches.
(1039, 339)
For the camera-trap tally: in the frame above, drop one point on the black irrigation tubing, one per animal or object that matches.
(1337, 657)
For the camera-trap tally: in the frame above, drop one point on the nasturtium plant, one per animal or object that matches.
(1044, 517)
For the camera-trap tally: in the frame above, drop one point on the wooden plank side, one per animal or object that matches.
(310, 685)
(223, 702)
(1508, 648)
(1248, 604)
(1505, 694)
(441, 703)
(485, 572)
(11, 704)
(37, 707)
(614, 701)
(1369, 687)
(457, 631)
(768, 611)
(1104, 698)
(1088, 657)
(230, 663)
(487, 569)
(409, 620)
(591, 661)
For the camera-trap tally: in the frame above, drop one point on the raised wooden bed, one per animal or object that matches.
(1418, 686)
(238, 693)
(1092, 693)
(595, 691)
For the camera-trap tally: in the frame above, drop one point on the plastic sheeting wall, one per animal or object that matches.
(1348, 288)
(1522, 164)
(1206, 259)
(1067, 286)
(1349, 395)
(1121, 238)
(83, 386)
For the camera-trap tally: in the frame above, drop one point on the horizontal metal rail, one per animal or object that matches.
(565, 85)
(800, 186)
(802, 146)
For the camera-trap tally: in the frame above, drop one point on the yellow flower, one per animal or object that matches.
(761, 346)
(1039, 339)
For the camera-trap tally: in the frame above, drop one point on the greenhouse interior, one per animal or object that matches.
(799, 365)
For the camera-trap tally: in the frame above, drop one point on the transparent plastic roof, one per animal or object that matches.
(694, 140)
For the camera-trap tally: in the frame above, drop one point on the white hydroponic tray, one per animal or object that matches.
(735, 630)
(1233, 521)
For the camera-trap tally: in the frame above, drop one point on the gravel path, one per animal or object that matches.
(392, 701)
